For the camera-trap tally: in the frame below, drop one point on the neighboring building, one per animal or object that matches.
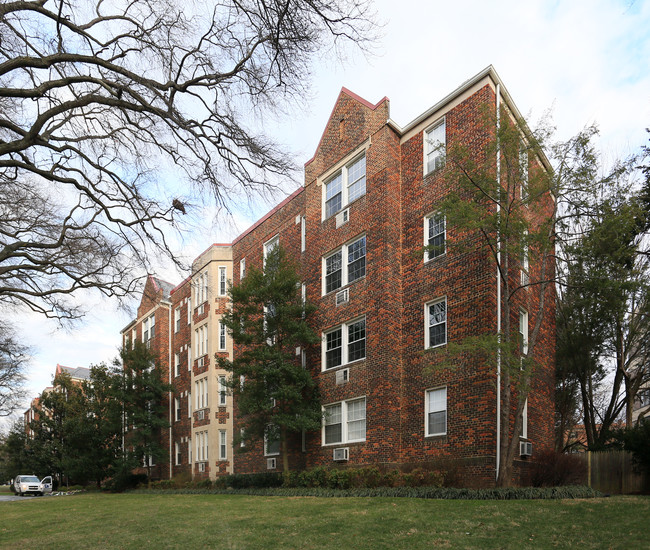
(77, 375)
(641, 404)
(358, 227)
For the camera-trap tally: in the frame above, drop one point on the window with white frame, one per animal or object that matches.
(345, 186)
(223, 281)
(223, 448)
(177, 408)
(222, 336)
(177, 446)
(201, 341)
(242, 268)
(435, 329)
(201, 288)
(242, 439)
(434, 236)
(524, 421)
(270, 245)
(303, 233)
(223, 390)
(271, 441)
(189, 310)
(189, 357)
(435, 142)
(177, 319)
(345, 265)
(189, 404)
(523, 170)
(177, 364)
(344, 344)
(344, 422)
(436, 411)
(145, 330)
(523, 332)
(525, 260)
(152, 326)
(189, 450)
(201, 391)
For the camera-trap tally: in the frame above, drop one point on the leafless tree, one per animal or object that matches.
(98, 100)
(13, 357)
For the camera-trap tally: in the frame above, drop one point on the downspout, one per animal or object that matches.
(169, 370)
(498, 167)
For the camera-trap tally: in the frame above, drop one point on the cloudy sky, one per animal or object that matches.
(586, 60)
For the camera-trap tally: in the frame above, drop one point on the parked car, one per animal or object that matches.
(25, 485)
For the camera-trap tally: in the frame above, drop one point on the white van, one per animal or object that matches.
(26, 485)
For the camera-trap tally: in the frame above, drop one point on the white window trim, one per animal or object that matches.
(223, 445)
(266, 453)
(177, 320)
(344, 422)
(177, 407)
(343, 249)
(426, 322)
(275, 239)
(223, 280)
(177, 451)
(242, 268)
(525, 261)
(524, 172)
(425, 144)
(303, 233)
(427, 254)
(426, 412)
(222, 390)
(524, 421)
(334, 170)
(523, 314)
(344, 344)
(223, 337)
(177, 364)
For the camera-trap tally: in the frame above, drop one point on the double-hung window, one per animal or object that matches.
(344, 422)
(523, 171)
(344, 344)
(223, 281)
(525, 260)
(434, 236)
(435, 314)
(345, 186)
(242, 268)
(223, 448)
(271, 441)
(270, 245)
(222, 390)
(177, 364)
(177, 446)
(435, 143)
(177, 319)
(177, 407)
(222, 336)
(523, 332)
(436, 411)
(345, 265)
(201, 341)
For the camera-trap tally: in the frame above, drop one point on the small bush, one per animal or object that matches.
(553, 469)
(123, 481)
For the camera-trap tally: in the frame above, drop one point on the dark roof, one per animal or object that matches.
(80, 373)
(164, 286)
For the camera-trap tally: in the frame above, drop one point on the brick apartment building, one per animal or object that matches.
(358, 227)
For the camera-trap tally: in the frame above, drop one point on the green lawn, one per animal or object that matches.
(235, 521)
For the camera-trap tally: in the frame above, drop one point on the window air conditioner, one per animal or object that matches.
(201, 466)
(271, 464)
(342, 217)
(342, 376)
(343, 296)
(525, 448)
(342, 453)
(200, 415)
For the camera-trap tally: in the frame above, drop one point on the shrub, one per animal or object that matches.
(552, 469)
(125, 480)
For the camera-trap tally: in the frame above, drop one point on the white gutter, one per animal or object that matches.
(498, 159)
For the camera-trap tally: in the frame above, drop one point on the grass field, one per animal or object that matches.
(234, 521)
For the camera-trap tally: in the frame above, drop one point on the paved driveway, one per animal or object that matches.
(10, 497)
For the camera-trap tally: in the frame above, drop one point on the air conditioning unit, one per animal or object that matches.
(343, 296)
(271, 463)
(343, 217)
(200, 415)
(201, 466)
(342, 453)
(525, 448)
(342, 376)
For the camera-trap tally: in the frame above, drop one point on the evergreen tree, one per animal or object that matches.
(275, 394)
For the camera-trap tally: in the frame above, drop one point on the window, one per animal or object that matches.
(271, 441)
(344, 344)
(152, 326)
(344, 187)
(345, 265)
(222, 336)
(222, 390)
(201, 392)
(523, 332)
(145, 331)
(189, 404)
(223, 286)
(436, 411)
(189, 357)
(189, 450)
(435, 142)
(524, 421)
(201, 289)
(223, 450)
(435, 333)
(344, 422)
(270, 245)
(303, 233)
(189, 310)
(525, 260)
(177, 319)
(178, 453)
(201, 341)
(242, 268)
(434, 236)
(177, 364)
(523, 171)
(177, 408)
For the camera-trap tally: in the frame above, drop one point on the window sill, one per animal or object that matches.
(436, 346)
(354, 442)
(429, 260)
(339, 289)
(344, 366)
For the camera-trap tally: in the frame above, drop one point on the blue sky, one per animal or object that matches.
(586, 60)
